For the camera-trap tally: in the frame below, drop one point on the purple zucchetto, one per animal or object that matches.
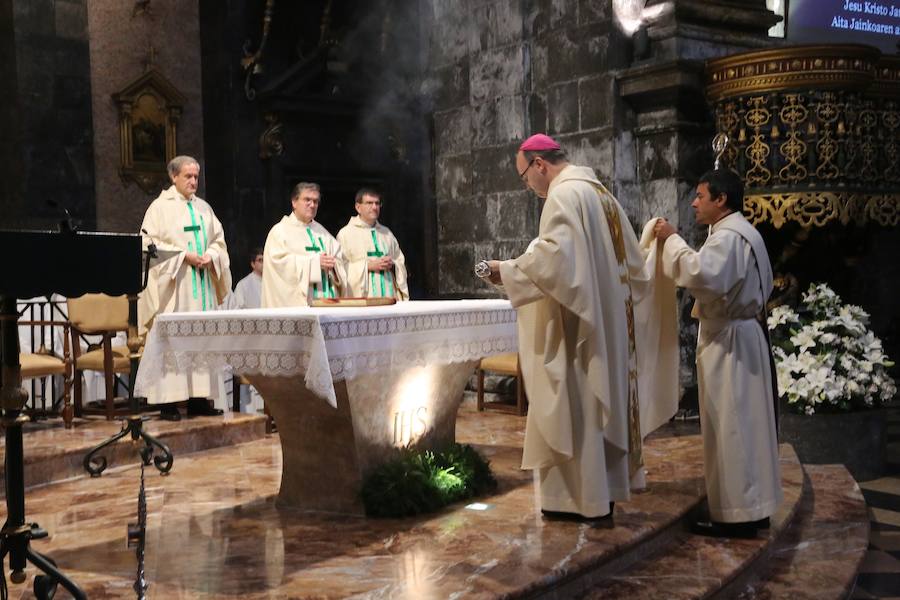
(539, 142)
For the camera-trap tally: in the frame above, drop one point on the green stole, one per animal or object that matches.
(199, 275)
(327, 289)
(382, 276)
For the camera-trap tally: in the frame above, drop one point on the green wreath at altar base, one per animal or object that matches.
(421, 481)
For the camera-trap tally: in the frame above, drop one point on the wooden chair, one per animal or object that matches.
(99, 314)
(43, 363)
(504, 364)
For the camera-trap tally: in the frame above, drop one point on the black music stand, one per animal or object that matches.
(39, 263)
(134, 424)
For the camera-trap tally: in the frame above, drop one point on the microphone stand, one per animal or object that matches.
(95, 465)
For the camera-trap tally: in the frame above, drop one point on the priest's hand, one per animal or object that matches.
(663, 229)
(384, 263)
(205, 261)
(194, 259)
(326, 261)
(494, 277)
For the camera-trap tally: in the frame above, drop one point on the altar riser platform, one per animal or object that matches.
(53, 453)
(215, 532)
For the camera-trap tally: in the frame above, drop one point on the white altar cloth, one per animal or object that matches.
(325, 344)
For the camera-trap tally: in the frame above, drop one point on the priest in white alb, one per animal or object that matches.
(598, 343)
(301, 261)
(196, 277)
(730, 278)
(376, 267)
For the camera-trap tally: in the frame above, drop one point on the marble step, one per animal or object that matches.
(813, 550)
(691, 566)
(53, 453)
(822, 550)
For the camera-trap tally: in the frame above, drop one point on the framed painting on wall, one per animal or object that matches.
(149, 109)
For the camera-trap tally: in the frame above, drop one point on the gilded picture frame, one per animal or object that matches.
(149, 109)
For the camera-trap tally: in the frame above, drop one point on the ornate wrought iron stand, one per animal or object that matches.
(137, 532)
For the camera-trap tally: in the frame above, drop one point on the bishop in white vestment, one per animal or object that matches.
(302, 261)
(593, 324)
(730, 278)
(376, 267)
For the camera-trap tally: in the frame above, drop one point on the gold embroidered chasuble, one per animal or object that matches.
(597, 345)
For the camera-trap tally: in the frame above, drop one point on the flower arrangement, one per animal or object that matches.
(826, 357)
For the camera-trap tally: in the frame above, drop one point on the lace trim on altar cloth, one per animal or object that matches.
(366, 327)
(291, 363)
(284, 364)
(344, 329)
(349, 367)
(222, 327)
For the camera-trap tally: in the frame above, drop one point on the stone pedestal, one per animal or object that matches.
(327, 452)
(854, 439)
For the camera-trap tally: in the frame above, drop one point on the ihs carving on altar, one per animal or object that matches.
(410, 425)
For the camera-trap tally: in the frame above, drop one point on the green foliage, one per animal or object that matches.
(424, 481)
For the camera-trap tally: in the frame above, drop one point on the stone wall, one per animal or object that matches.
(46, 114)
(501, 70)
(11, 196)
(119, 51)
(504, 69)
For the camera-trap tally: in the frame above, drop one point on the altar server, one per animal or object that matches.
(376, 267)
(730, 279)
(597, 338)
(248, 291)
(301, 260)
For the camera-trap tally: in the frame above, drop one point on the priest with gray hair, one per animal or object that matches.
(197, 276)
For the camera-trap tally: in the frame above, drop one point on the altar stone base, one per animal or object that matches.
(327, 452)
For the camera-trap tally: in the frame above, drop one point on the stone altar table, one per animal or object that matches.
(346, 386)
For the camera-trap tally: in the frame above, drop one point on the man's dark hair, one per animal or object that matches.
(305, 185)
(725, 181)
(366, 192)
(258, 251)
(551, 156)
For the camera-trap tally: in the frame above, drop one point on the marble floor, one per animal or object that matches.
(214, 531)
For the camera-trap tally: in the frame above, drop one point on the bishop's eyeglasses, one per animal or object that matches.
(522, 174)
